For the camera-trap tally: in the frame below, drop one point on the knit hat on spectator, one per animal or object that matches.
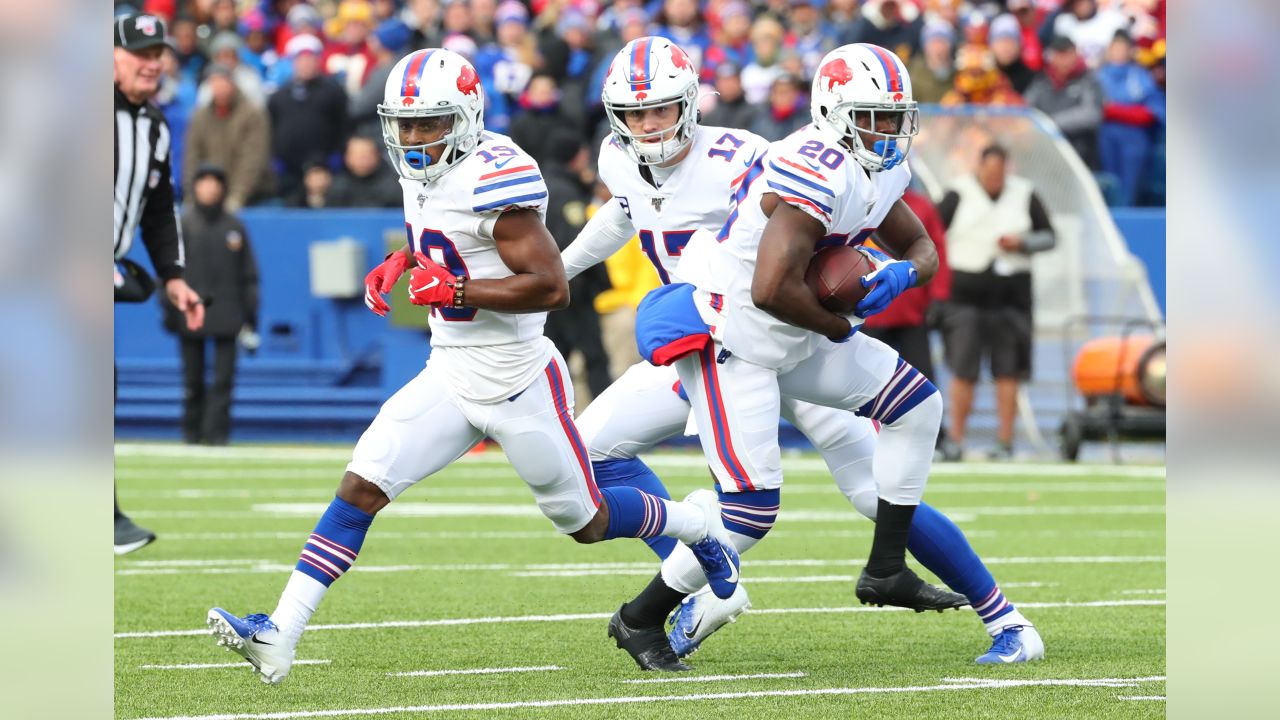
(218, 69)
(208, 169)
(734, 8)
(299, 44)
(393, 35)
(254, 20)
(357, 11)
(563, 145)
(223, 41)
(139, 32)
(936, 28)
(511, 11)
(727, 68)
(632, 15)
(302, 16)
(1061, 43)
(571, 19)
(1004, 26)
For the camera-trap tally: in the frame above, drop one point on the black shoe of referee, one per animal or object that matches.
(649, 647)
(905, 589)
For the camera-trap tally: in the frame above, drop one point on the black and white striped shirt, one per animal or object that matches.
(143, 187)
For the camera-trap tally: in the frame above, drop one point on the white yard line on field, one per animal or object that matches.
(530, 510)
(1160, 698)
(1151, 591)
(569, 702)
(230, 566)
(210, 666)
(449, 622)
(475, 671)
(659, 460)
(715, 678)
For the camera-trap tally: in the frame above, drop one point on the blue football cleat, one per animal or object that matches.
(701, 614)
(715, 552)
(1016, 644)
(256, 639)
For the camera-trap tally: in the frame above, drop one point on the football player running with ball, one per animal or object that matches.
(484, 263)
(675, 184)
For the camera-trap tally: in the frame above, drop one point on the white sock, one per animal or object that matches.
(1008, 620)
(301, 597)
(685, 521)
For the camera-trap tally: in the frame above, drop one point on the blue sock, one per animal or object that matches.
(334, 544)
(942, 548)
(632, 472)
(632, 513)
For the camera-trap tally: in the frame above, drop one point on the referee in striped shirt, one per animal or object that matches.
(144, 192)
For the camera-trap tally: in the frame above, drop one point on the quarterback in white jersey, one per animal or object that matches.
(487, 268)
(661, 202)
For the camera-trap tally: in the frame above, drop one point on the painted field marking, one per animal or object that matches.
(450, 622)
(210, 666)
(1161, 698)
(1152, 591)
(839, 691)
(253, 566)
(659, 460)
(475, 671)
(715, 678)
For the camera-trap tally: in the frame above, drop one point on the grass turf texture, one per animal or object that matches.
(468, 543)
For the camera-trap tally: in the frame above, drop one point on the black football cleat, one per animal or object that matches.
(649, 647)
(905, 589)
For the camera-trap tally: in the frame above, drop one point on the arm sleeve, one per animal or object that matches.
(1041, 237)
(160, 232)
(603, 235)
(947, 208)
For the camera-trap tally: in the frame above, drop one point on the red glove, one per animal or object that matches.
(430, 284)
(381, 279)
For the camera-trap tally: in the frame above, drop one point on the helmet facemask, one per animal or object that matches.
(888, 149)
(639, 147)
(413, 162)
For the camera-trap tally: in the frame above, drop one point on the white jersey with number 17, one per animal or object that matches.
(695, 196)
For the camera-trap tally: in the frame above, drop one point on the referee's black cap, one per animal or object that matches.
(140, 31)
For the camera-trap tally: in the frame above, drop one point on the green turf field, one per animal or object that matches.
(462, 573)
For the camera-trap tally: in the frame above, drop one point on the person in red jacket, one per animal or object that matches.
(904, 326)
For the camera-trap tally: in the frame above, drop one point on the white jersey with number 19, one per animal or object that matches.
(487, 355)
(809, 170)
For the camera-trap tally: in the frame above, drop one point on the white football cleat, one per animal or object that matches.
(256, 639)
(701, 614)
(715, 551)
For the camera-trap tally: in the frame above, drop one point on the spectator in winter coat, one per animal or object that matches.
(1069, 94)
(1029, 25)
(732, 39)
(767, 35)
(1005, 38)
(234, 135)
(366, 181)
(224, 49)
(388, 43)
(542, 116)
(788, 109)
(1133, 107)
(978, 81)
(731, 109)
(1089, 27)
(809, 36)
(933, 70)
(891, 24)
(308, 114)
(221, 266)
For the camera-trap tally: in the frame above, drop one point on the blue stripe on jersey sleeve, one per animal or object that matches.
(507, 183)
(803, 181)
(783, 188)
(510, 201)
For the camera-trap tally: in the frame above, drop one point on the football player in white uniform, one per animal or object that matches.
(669, 178)
(488, 269)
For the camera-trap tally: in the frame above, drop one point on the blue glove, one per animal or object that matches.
(887, 283)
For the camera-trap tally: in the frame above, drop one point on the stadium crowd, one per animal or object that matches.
(282, 94)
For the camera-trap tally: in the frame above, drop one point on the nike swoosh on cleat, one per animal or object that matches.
(434, 282)
(688, 634)
(733, 569)
(1011, 658)
(254, 638)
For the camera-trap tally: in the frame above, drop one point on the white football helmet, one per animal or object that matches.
(432, 83)
(859, 79)
(650, 72)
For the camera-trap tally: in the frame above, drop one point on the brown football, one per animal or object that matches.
(835, 277)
